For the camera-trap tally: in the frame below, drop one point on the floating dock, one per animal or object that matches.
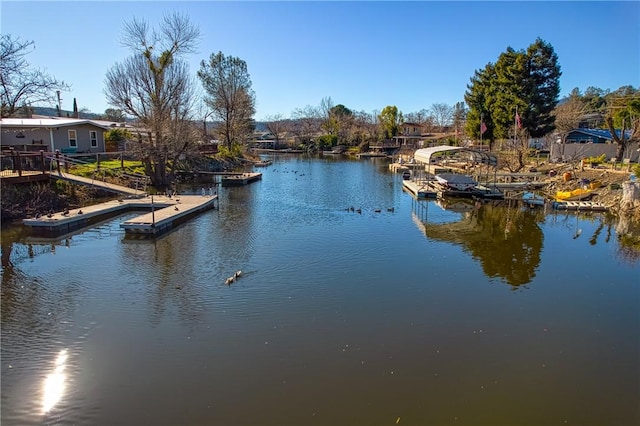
(241, 179)
(166, 213)
(419, 189)
(432, 189)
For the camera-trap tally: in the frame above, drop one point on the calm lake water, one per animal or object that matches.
(418, 314)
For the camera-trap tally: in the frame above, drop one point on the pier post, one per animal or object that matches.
(58, 161)
(18, 163)
(13, 159)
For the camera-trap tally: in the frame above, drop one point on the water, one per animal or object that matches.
(416, 314)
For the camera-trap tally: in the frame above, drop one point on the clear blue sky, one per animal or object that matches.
(365, 55)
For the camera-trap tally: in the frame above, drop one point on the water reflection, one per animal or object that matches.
(54, 384)
(504, 238)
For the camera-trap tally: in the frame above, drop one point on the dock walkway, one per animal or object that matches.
(167, 212)
(111, 187)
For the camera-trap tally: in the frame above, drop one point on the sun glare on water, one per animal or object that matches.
(54, 383)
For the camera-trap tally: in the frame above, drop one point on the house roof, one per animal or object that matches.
(50, 122)
(601, 133)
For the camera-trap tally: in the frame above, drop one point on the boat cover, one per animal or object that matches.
(424, 155)
(456, 179)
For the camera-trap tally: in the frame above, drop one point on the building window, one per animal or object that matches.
(73, 139)
(93, 135)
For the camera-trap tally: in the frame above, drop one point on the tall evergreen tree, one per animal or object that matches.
(526, 80)
(478, 96)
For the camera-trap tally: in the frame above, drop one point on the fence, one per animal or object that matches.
(16, 162)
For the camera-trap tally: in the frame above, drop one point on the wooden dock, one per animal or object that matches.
(166, 213)
(241, 179)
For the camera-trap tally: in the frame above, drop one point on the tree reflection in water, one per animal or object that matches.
(506, 239)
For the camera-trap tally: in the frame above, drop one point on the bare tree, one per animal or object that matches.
(442, 115)
(20, 85)
(365, 127)
(154, 86)
(568, 114)
(423, 118)
(306, 123)
(227, 85)
(277, 126)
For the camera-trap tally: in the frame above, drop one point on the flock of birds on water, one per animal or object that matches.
(233, 278)
(359, 210)
(349, 209)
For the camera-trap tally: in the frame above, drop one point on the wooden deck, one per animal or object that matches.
(164, 215)
(14, 177)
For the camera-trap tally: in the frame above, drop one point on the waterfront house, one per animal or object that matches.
(68, 135)
(409, 135)
(582, 143)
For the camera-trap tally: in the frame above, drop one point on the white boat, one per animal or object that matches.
(456, 181)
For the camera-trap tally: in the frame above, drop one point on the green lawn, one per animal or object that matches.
(114, 166)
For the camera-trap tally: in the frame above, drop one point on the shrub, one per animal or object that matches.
(594, 161)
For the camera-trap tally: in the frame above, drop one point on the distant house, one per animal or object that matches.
(410, 135)
(592, 136)
(582, 143)
(410, 129)
(68, 135)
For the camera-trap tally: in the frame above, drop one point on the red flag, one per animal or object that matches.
(483, 128)
(518, 122)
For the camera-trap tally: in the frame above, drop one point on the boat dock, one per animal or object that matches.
(432, 189)
(419, 189)
(166, 213)
(240, 179)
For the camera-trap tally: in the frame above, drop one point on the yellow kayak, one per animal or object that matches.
(575, 195)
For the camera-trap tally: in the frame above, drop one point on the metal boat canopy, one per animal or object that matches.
(424, 155)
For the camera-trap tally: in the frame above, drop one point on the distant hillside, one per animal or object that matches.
(52, 112)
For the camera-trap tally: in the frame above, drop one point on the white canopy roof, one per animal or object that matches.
(424, 155)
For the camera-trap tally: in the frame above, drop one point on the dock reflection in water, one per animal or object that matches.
(340, 317)
(504, 238)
